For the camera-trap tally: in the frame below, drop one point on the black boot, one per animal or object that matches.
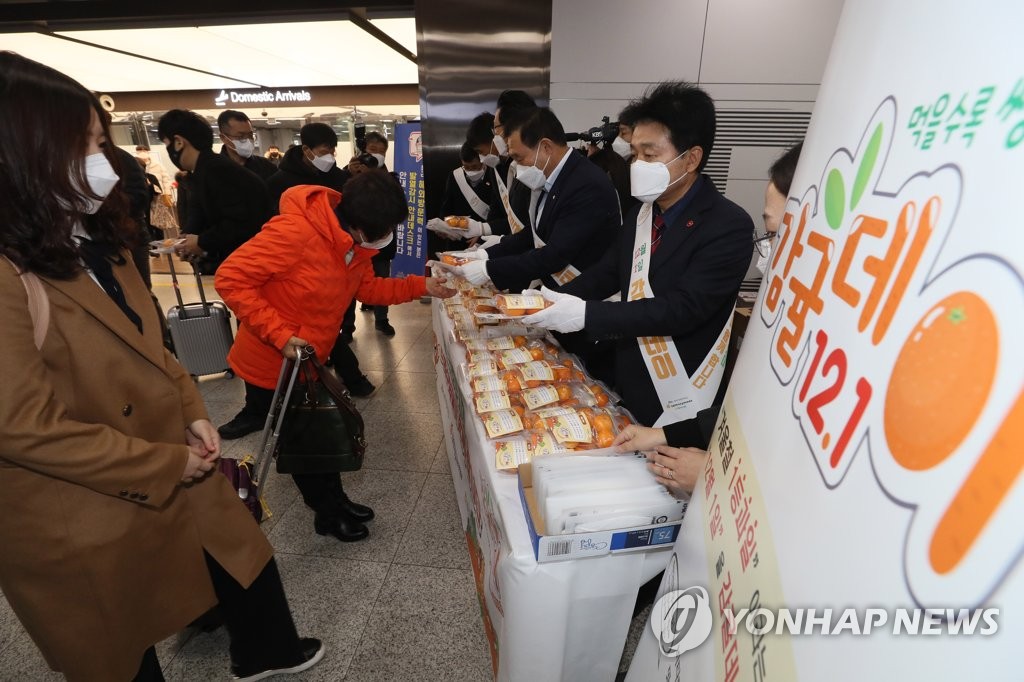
(359, 512)
(339, 524)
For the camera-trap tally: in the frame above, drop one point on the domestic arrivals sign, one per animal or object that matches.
(227, 97)
(860, 511)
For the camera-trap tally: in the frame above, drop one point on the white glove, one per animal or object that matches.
(568, 313)
(489, 240)
(475, 229)
(472, 254)
(475, 271)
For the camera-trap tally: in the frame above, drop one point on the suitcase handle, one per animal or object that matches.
(177, 289)
(275, 417)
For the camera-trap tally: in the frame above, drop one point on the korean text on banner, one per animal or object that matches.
(410, 237)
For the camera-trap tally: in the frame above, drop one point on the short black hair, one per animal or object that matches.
(231, 115)
(515, 99)
(468, 152)
(782, 171)
(628, 115)
(687, 111)
(536, 124)
(374, 136)
(316, 134)
(187, 124)
(374, 202)
(481, 129)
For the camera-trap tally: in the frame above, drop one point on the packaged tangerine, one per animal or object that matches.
(574, 431)
(502, 423)
(537, 373)
(491, 382)
(509, 454)
(607, 423)
(475, 357)
(543, 442)
(516, 305)
(544, 396)
(483, 305)
(507, 359)
(449, 259)
(481, 369)
(500, 343)
(492, 401)
(536, 419)
(459, 222)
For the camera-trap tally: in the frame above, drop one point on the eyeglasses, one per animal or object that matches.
(763, 242)
(243, 136)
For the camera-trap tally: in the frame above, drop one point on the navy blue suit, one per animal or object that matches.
(695, 275)
(580, 221)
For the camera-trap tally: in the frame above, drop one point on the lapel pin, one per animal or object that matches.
(689, 223)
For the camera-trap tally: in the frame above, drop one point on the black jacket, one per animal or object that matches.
(293, 171)
(579, 223)
(518, 197)
(227, 205)
(455, 202)
(695, 275)
(255, 163)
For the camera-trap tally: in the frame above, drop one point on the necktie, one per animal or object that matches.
(97, 257)
(657, 227)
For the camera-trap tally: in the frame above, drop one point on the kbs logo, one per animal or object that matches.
(681, 620)
(898, 347)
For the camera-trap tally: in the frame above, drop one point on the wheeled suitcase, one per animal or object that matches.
(201, 331)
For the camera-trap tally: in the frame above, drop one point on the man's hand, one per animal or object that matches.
(355, 166)
(677, 468)
(293, 346)
(567, 314)
(635, 438)
(189, 249)
(436, 287)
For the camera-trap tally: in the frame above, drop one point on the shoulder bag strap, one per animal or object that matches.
(38, 304)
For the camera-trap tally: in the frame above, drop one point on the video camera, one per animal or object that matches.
(606, 132)
(364, 158)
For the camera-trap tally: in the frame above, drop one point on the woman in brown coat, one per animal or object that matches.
(115, 530)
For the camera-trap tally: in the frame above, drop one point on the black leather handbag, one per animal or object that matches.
(322, 431)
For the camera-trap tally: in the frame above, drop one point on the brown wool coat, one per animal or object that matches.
(101, 547)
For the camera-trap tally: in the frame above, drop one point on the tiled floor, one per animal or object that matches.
(400, 605)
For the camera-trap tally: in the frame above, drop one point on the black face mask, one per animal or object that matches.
(174, 154)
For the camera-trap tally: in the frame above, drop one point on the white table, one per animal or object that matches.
(555, 621)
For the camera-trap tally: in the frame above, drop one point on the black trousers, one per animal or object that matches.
(257, 619)
(381, 268)
(320, 492)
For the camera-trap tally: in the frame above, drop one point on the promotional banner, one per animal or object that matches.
(410, 238)
(860, 516)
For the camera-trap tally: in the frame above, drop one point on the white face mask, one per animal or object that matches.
(244, 147)
(622, 148)
(380, 243)
(649, 180)
(474, 176)
(324, 162)
(531, 176)
(380, 159)
(499, 144)
(491, 160)
(102, 179)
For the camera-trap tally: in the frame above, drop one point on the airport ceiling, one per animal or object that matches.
(189, 45)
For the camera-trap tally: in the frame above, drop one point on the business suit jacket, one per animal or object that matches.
(695, 275)
(227, 205)
(579, 222)
(101, 547)
(518, 198)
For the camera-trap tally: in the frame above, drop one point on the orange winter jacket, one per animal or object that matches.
(297, 277)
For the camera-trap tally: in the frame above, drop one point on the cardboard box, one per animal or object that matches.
(547, 548)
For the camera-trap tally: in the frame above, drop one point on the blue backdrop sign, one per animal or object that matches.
(411, 237)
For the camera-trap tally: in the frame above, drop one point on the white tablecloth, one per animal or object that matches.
(556, 621)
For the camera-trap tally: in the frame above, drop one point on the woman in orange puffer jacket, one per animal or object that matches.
(290, 286)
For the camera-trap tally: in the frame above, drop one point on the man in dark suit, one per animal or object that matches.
(681, 256)
(574, 211)
(228, 204)
(239, 140)
(470, 187)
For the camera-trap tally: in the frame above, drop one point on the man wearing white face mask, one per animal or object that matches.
(574, 211)
(681, 257)
(238, 138)
(310, 163)
(780, 178)
(470, 188)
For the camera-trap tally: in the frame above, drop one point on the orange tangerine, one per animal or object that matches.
(536, 354)
(941, 381)
(564, 392)
(519, 341)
